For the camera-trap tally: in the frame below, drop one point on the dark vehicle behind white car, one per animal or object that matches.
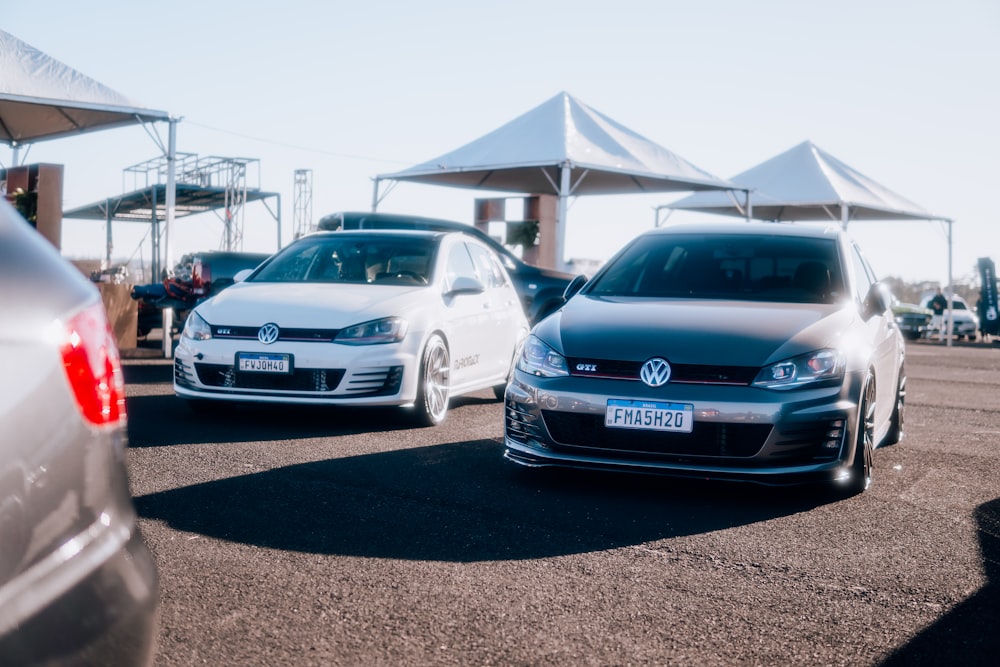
(77, 582)
(759, 352)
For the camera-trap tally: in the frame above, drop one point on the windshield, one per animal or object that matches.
(725, 266)
(344, 258)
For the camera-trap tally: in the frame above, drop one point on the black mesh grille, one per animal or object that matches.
(302, 379)
(793, 445)
(573, 431)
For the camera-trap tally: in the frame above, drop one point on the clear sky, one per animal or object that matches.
(905, 91)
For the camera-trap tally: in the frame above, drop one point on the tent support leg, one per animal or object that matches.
(168, 257)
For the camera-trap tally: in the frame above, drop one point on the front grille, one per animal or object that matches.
(288, 335)
(680, 373)
(707, 439)
(301, 379)
(374, 382)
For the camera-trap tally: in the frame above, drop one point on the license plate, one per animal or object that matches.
(649, 415)
(279, 364)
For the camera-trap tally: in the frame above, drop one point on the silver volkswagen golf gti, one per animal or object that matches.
(78, 584)
(759, 352)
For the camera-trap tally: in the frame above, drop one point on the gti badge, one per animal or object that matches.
(655, 372)
(268, 333)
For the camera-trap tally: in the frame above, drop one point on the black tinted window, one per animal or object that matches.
(716, 266)
(353, 259)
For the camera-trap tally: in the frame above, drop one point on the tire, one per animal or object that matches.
(499, 390)
(896, 423)
(864, 447)
(431, 406)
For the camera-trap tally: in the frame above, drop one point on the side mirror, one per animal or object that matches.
(465, 285)
(574, 286)
(242, 275)
(877, 301)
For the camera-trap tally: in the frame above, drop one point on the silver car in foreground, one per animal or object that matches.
(78, 585)
(760, 352)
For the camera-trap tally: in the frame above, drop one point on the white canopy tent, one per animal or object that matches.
(42, 98)
(807, 184)
(565, 148)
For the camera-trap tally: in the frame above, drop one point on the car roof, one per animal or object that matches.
(375, 233)
(356, 220)
(347, 220)
(754, 228)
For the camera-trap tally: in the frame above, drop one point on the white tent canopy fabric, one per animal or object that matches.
(805, 184)
(565, 148)
(41, 98)
(526, 155)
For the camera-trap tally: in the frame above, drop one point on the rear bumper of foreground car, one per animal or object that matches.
(109, 616)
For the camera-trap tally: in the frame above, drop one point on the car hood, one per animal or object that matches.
(737, 333)
(308, 304)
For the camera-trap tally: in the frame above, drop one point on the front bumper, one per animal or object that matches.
(322, 373)
(740, 433)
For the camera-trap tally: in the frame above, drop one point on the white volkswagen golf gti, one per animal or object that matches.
(376, 318)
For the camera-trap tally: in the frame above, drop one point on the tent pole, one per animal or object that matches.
(845, 214)
(375, 196)
(168, 257)
(109, 237)
(561, 217)
(951, 289)
(749, 205)
(278, 220)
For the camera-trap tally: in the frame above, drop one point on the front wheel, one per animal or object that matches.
(895, 433)
(864, 449)
(435, 374)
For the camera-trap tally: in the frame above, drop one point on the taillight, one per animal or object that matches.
(201, 276)
(93, 366)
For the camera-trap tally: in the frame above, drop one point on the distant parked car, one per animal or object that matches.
(78, 585)
(540, 289)
(374, 318)
(914, 321)
(195, 277)
(758, 352)
(966, 322)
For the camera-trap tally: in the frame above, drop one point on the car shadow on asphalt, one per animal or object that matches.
(969, 634)
(457, 502)
(165, 420)
(147, 371)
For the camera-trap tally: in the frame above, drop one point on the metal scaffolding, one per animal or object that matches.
(228, 174)
(302, 213)
(221, 185)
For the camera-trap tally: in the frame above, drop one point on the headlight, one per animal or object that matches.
(386, 330)
(819, 366)
(196, 328)
(539, 359)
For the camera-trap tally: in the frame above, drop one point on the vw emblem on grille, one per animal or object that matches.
(655, 372)
(268, 333)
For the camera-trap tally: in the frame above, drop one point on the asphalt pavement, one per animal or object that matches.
(287, 536)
